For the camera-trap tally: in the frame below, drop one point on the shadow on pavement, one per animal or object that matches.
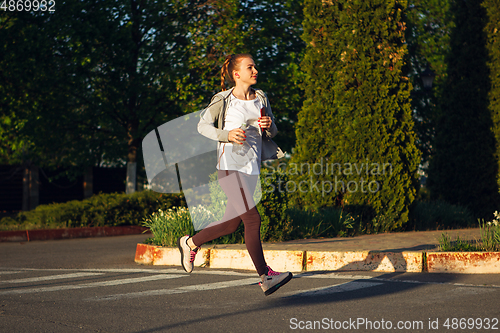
(357, 289)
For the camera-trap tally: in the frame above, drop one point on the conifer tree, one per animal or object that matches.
(492, 30)
(463, 169)
(356, 120)
(428, 38)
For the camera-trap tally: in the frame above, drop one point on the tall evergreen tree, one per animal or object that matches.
(463, 169)
(428, 37)
(356, 118)
(492, 30)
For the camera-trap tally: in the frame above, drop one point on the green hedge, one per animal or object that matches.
(435, 215)
(113, 209)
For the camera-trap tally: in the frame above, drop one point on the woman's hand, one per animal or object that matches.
(265, 122)
(237, 135)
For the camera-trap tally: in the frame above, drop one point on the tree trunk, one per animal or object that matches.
(26, 188)
(34, 187)
(131, 177)
(31, 188)
(88, 183)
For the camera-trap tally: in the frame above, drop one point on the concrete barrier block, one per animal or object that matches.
(240, 259)
(285, 261)
(463, 262)
(365, 261)
(172, 257)
(144, 254)
(236, 259)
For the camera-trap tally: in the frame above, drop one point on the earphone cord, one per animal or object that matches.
(222, 153)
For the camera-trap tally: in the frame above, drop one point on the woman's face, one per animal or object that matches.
(246, 73)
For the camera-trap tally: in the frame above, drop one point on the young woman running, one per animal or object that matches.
(241, 121)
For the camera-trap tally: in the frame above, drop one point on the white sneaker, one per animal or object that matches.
(272, 281)
(187, 255)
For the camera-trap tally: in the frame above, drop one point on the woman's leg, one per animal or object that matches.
(231, 219)
(240, 207)
(251, 220)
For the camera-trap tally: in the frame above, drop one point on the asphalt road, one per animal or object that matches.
(93, 285)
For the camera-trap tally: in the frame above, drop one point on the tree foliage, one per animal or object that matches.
(464, 169)
(274, 30)
(492, 30)
(356, 118)
(428, 37)
(89, 81)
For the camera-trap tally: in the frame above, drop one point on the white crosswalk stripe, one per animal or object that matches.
(9, 272)
(31, 285)
(179, 290)
(51, 277)
(337, 288)
(92, 285)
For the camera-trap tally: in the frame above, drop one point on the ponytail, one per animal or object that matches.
(224, 72)
(230, 64)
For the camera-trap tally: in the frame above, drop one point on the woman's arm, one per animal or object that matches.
(207, 126)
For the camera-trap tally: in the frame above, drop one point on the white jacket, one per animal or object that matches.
(216, 113)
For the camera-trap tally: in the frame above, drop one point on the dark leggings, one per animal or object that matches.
(239, 193)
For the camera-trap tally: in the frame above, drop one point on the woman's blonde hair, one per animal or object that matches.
(230, 64)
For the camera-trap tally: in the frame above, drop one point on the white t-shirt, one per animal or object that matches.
(248, 159)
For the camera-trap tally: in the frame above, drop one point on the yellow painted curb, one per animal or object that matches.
(364, 261)
(437, 262)
(144, 254)
(240, 259)
(172, 257)
(157, 255)
(464, 262)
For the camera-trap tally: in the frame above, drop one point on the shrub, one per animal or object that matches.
(327, 222)
(489, 241)
(436, 215)
(113, 209)
(167, 226)
(273, 206)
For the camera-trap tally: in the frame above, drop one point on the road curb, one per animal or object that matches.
(68, 233)
(464, 262)
(297, 261)
(166, 256)
(365, 261)
(291, 261)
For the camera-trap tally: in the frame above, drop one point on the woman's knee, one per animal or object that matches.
(252, 217)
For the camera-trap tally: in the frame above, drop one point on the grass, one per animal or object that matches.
(327, 222)
(168, 226)
(489, 239)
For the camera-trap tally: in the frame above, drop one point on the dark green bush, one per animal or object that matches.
(435, 215)
(325, 222)
(113, 209)
(273, 205)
